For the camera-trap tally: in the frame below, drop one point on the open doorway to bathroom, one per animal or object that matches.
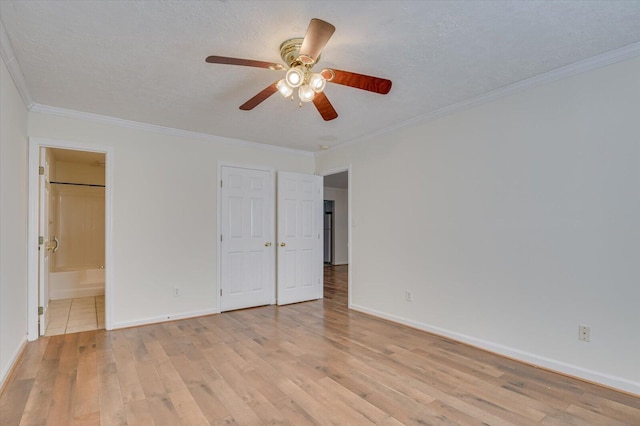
(72, 223)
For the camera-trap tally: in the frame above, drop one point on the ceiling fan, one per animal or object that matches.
(300, 55)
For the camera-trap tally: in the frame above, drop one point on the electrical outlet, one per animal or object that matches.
(408, 296)
(584, 333)
(176, 291)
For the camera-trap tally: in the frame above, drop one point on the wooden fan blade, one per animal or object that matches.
(244, 62)
(361, 81)
(259, 98)
(324, 107)
(316, 38)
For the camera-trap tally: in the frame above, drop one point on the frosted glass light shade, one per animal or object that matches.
(295, 77)
(317, 82)
(284, 89)
(306, 93)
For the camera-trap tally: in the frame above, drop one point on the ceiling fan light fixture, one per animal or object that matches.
(300, 54)
(295, 76)
(284, 89)
(328, 74)
(317, 82)
(306, 93)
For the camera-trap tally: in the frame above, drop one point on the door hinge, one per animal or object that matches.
(40, 170)
(40, 240)
(220, 237)
(40, 310)
(221, 183)
(220, 292)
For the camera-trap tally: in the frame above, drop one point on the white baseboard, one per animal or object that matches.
(529, 358)
(163, 318)
(4, 375)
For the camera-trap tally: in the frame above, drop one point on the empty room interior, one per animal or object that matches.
(279, 212)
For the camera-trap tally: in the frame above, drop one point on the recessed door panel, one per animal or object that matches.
(257, 213)
(235, 206)
(306, 260)
(235, 277)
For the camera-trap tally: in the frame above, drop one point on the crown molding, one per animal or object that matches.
(170, 131)
(9, 58)
(589, 64)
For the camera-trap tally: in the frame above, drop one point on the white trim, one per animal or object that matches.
(272, 174)
(333, 171)
(9, 57)
(530, 358)
(589, 64)
(104, 119)
(32, 234)
(12, 362)
(163, 318)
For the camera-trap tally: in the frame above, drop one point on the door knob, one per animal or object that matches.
(267, 244)
(282, 244)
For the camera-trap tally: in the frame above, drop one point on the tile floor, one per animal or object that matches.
(75, 315)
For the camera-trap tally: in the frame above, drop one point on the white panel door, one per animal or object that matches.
(247, 277)
(300, 215)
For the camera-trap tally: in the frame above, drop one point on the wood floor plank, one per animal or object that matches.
(211, 407)
(64, 388)
(40, 394)
(88, 398)
(308, 363)
(130, 387)
(138, 413)
(361, 405)
(112, 412)
(187, 408)
(88, 419)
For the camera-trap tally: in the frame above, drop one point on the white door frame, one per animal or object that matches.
(32, 233)
(272, 181)
(44, 255)
(332, 171)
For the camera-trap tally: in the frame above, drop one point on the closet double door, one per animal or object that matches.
(271, 247)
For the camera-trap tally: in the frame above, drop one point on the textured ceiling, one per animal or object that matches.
(144, 60)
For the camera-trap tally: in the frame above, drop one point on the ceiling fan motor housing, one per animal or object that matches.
(290, 53)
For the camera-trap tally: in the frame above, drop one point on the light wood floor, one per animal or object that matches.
(308, 363)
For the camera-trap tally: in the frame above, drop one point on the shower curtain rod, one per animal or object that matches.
(77, 184)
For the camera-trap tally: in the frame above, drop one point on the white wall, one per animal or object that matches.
(13, 222)
(340, 223)
(164, 212)
(511, 223)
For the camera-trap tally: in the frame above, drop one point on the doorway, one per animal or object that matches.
(329, 250)
(69, 237)
(337, 234)
(74, 237)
